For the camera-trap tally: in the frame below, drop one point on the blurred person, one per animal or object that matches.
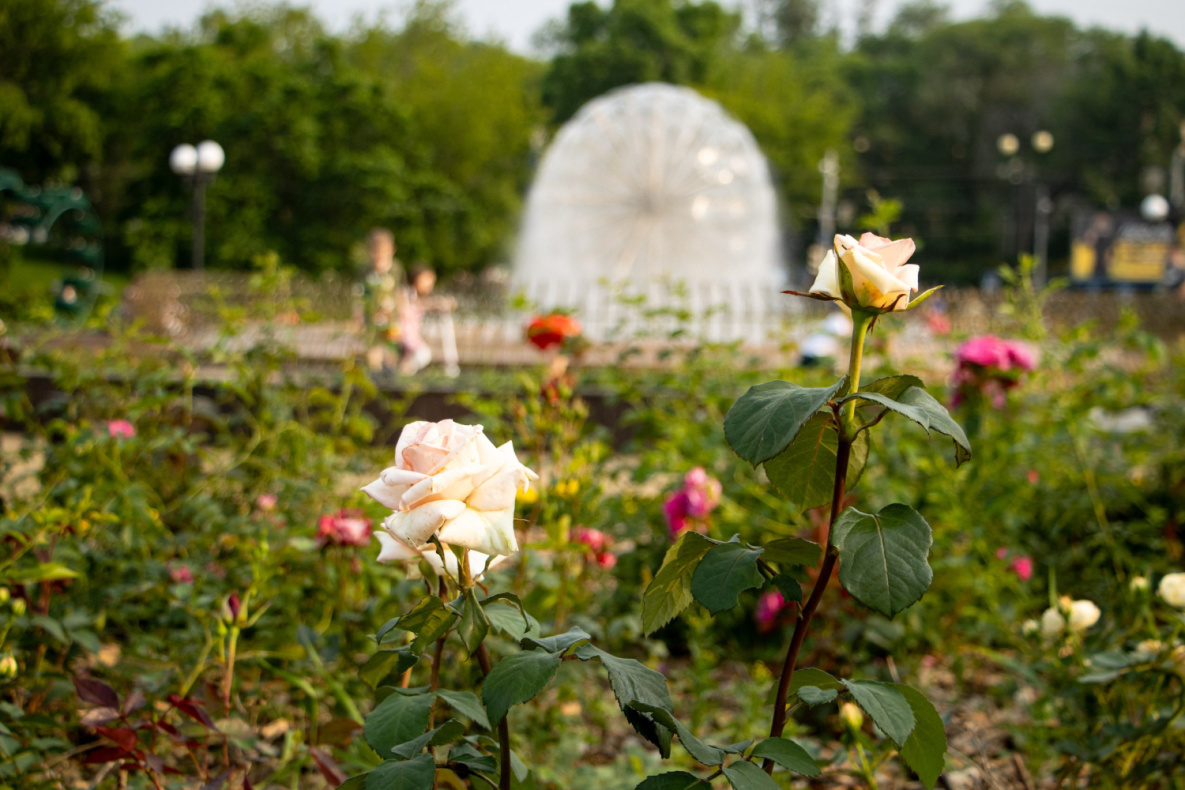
(380, 301)
(415, 302)
(827, 341)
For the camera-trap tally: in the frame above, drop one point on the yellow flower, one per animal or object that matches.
(528, 497)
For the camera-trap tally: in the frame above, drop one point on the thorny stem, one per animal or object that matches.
(847, 432)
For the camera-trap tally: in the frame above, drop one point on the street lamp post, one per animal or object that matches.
(199, 166)
(1020, 172)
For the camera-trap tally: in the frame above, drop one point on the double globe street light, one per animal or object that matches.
(1018, 172)
(198, 166)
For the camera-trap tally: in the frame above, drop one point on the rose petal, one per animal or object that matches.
(895, 254)
(424, 458)
(874, 286)
(414, 527)
(827, 280)
(455, 484)
(411, 434)
(871, 241)
(908, 275)
(488, 531)
(394, 550)
(497, 493)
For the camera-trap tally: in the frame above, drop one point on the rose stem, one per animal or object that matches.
(860, 324)
(503, 727)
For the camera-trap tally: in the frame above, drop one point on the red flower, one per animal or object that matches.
(550, 331)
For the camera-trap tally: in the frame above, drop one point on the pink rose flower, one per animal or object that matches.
(607, 560)
(120, 429)
(1023, 568)
(345, 528)
(693, 502)
(1002, 553)
(181, 574)
(769, 606)
(593, 538)
(266, 502)
(1034, 476)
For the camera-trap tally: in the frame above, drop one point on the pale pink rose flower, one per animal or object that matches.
(181, 574)
(120, 429)
(266, 502)
(1002, 553)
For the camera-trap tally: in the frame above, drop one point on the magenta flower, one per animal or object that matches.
(988, 367)
(120, 429)
(1023, 568)
(181, 574)
(769, 606)
(693, 502)
(345, 528)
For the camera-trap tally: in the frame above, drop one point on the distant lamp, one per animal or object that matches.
(1008, 144)
(1042, 142)
(198, 166)
(184, 160)
(1154, 208)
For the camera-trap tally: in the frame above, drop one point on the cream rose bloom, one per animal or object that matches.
(1075, 615)
(394, 550)
(451, 482)
(881, 279)
(1172, 589)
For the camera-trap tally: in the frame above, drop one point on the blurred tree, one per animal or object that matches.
(56, 58)
(631, 42)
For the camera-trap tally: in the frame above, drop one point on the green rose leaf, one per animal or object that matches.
(807, 676)
(436, 624)
(813, 695)
(467, 755)
(631, 680)
(474, 624)
(747, 776)
(886, 705)
(510, 599)
(670, 591)
(764, 421)
(448, 732)
(789, 587)
(414, 619)
(397, 719)
(674, 780)
(925, 749)
(517, 679)
(354, 783)
(512, 622)
(883, 557)
(385, 662)
(724, 572)
(793, 552)
(804, 473)
(467, 704)
(559, 643)
(921, 407)
(892, 386)
(417, 774)
(702, 752)
(788, 754)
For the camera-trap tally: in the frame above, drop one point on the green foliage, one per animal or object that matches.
(804, 473)
(921, 407)
(925, 749)
(747, 776)
(397, 719)
(788, 755)
(670, 592)
(517, 679)
(724, 572)
(886, 705)
(884, 557)
(417, 774)
(764, 421)
(673, 780)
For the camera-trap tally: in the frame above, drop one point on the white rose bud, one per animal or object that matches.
(880, 279)
(1172, 590)
(851, 715)
(1083, 614)
(1052, 623)
(1139, 584)
(1030, 627)
(451, 482)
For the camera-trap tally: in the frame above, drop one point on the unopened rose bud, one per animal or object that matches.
(4, 595)
(1152, 646)
(8, 667)
(1172, 590)
(18, 607)
(1030, 627)
(1052, 623)
(1083, 615)
(851, 715)
(1139, 584)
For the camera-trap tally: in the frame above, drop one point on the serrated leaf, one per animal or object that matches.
(792, 552)
(924, 750)
(788, 754)
(724, 572)
(467, 704)
(886, 705)
(702, 752)
(764, 421)
(412, 620)
(921, 407)
(670, 591)
(474, 625)
(466, 754)
(510, 621)
(747, 776)
(397, 719)
(789, 587)
(804, 473)
(631, 680)
(385, 662)
(674, 780)
(417, 774)
(892, 386)
(510, 599)
(354, 783)
(517, 679)
(447, 732)
(884, 557)
(435, 626)
(806, 676)
(813, 695)
(558, 643)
